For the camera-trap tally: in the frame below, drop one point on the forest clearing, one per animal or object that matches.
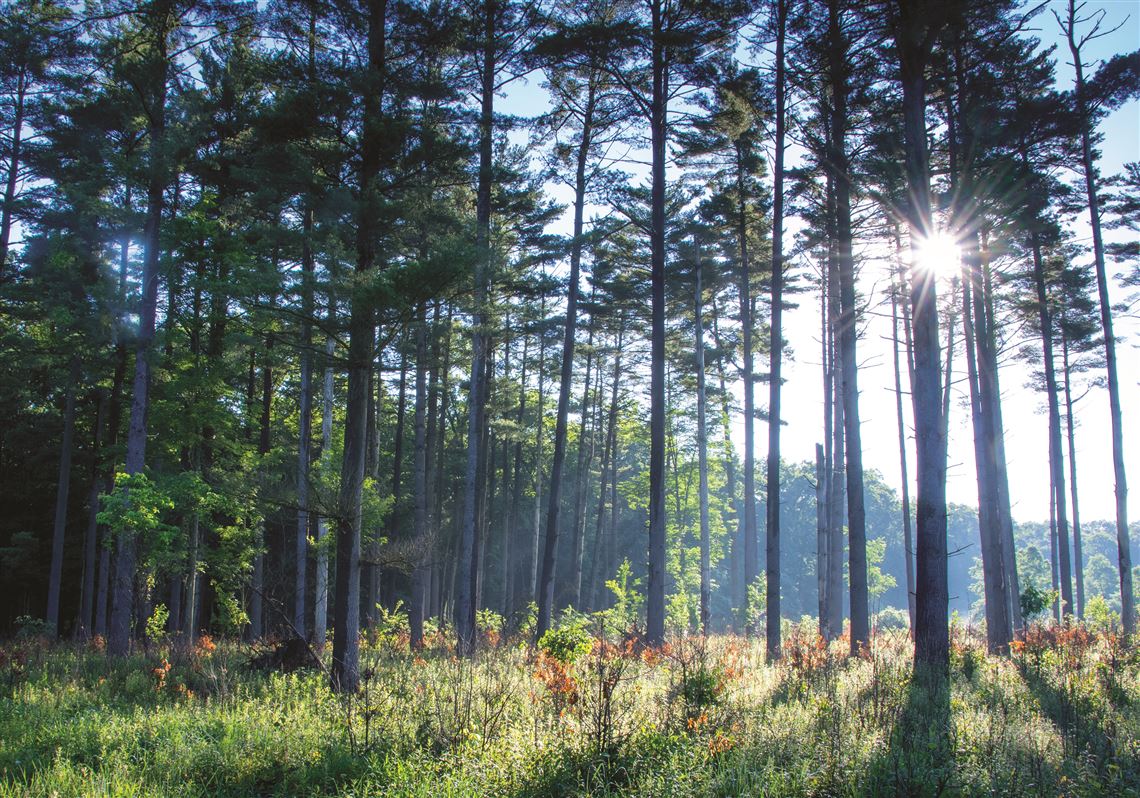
(559, 397)
(578, 717)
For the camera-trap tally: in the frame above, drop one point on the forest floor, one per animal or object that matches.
(1061, 716)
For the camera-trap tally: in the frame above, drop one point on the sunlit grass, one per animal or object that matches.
(1061, 716)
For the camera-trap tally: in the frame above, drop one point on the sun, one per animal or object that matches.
(939, 255)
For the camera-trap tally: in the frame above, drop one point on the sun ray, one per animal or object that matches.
(939, 255)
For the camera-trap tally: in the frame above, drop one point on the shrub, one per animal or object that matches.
(566, 643)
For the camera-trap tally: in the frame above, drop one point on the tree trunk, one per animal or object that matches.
(908, 546)
(702, 452)
(305, 425)
(63, 488)
(510, 556)
(1053, 548)
(750, 540)
(998, 630)
(1124, 552)
(914, 39)
(345, 675)
(772, 561)
(419, 485)
(536, 535)
(658, 125)
(582, 475)
(465, 588)
(91, 537)
(11, 183)
(321, 578)
(256, 628)
(837, 488)
(848, 333)
(1078, 555)
(122, 593)
(546, 586)
(1056, 464)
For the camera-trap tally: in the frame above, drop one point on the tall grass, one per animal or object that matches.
(607, 717)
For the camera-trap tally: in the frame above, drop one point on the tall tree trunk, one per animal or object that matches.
(305, 425)
(91, 538)
(511, 555)
(658, 125)
(848, 334)
(1124, 552)
(821, 540)
(604, 555)
(465, 588)
(546, 586)
(582, 475)
(772, 562)
(14, 163)
(257, 595)
(1056, 457)
(998, 631)
(1078, 555)
(731, 515)
(750, 540)
(63, 488)
(536, 534)
(702, 452)
(114, 416)
(914, 37)
(321, 577)
(988, 369)
(607, 474)
(1053, 547)
(486, 460)
(419, 485)
(838, 491)
(396, 528)
(345, 675)
(126, 550)
(908, 545)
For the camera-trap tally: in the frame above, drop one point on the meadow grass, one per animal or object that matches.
(1061, 716)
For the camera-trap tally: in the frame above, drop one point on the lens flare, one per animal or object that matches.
(939, 255)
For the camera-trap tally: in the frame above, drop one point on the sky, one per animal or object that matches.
(1024, 410)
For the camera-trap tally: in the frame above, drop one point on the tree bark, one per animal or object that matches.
(91, 537)
(998, 631)
(63, 489)
(908, 545)
(419, 484)
(582, 475)
(321, 577)
(6, 215)
(658, 124)
(1056, 463)
(465, 588)
(848, 333)
(772, 562)
(702, 452)
(914, 38)
(1078, 555)
(305, 424)
(546, 586)
(750, 540)
(345, 674)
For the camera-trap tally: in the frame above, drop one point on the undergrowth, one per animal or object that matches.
(590, 712)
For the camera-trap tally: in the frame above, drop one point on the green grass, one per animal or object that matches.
(1060, 717)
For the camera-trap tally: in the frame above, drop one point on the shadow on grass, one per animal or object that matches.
(1088, 734)
(919, 759)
